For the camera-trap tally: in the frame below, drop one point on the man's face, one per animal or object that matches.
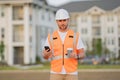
(62, 24)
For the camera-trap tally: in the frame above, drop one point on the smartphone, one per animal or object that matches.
(47, 48)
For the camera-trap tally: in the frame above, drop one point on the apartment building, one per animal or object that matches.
(24, 25)
(97, 20)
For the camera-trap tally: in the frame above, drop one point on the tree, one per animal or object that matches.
(97, 47)
(2, 46)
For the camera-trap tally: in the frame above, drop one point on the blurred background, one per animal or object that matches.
(24, 25)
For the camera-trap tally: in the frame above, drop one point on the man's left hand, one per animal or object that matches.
(73, 55)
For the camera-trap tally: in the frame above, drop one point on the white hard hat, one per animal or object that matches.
(62, 14)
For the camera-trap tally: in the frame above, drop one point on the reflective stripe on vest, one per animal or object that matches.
(59, 57)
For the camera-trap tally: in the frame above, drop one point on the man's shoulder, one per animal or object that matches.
(54, 32)
(71, 31)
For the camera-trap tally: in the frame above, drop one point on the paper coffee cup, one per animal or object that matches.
(69, 51)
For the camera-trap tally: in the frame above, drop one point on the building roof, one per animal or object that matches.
(40, 3)
(80, 6)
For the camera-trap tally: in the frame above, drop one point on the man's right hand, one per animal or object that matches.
(47, 53)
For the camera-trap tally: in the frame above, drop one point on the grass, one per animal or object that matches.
(7, 68)
(99, 67)
(46, 66)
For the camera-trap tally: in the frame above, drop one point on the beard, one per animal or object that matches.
(63, 27)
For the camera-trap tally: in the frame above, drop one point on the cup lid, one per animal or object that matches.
(69, 48)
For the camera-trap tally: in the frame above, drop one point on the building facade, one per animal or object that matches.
(24, 27)
(97, 21)
(97, 24)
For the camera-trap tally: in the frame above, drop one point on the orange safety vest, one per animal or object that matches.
(60, 50)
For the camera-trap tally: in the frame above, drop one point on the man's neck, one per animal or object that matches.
(64, 30)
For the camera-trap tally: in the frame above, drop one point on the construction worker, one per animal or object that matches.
(64, 47)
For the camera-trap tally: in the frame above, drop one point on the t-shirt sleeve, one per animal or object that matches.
(80, 43)
(46, 43)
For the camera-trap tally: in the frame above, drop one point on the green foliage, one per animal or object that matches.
(38, 60)
(97, 47)
(99, 67)
(7, 68)
(2, 46)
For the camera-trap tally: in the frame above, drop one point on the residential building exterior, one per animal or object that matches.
(97, 20)
(24, 27)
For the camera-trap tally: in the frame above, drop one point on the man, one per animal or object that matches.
(65, 48)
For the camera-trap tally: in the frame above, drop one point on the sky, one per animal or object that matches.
(57, 2)
(60, 2)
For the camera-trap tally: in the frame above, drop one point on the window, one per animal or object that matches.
(2, 11)
(113, 42)
(49, 14)
(30, 16)
(18, 33)
(110, 18)
(96, 31)
(73, 20)
(96, 19)
(30, 38)
(2, 33)
(84, 19)
(2, 14)
(110, 30)
(42, 16)
(110, 41)
(18, 12)
(84, 30)
(42, 30)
